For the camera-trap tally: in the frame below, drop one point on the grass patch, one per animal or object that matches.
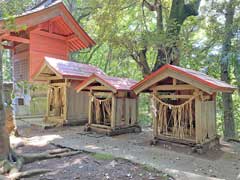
(100, 156)
(149, 168)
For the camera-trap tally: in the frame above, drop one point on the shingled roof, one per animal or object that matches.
(194, 76)
(68, 69)
(114, 83)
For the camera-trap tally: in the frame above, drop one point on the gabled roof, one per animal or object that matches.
(67, 69)
(113, 83)
(196, 78)
(44, 12)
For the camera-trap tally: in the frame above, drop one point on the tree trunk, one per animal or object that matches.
(179, 12)
(4, 137)
(229, 124)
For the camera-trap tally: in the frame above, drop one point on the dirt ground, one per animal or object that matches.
(86, 166)
(222, 162)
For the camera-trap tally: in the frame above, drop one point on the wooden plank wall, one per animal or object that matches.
(119, 112)
(41, 46)
(211, 118)
(21, 62)
(126, 110)
(78, 104)
(205, 113)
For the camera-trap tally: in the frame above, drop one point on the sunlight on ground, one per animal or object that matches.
(92, 147)
(35, 140)
(181, 174)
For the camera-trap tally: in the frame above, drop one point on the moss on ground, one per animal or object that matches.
(100, 156)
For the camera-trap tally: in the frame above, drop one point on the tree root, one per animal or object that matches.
(29, 173)
(233, 140)
(13, 166)
(56, 153)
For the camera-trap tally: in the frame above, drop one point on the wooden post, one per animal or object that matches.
(198, 118)
(174, 82)
(137, 110)
(127, 111)
(65, 103)
(113, 118)
(90, 108)
(48, 101)
(155, 120)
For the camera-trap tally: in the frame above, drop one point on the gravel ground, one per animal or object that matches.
(223, 162)
(89, 166)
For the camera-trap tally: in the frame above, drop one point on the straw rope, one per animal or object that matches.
(102, 109)
(181, 115)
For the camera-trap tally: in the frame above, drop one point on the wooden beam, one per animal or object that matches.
(103, 88)
(172, 87)
(8, 47)
(16, 39)
(100, 126)
(51, 35)
(174, 81)
(102, 94)
(40, 77)
(58, 84)
(175, 96)
(71, 37)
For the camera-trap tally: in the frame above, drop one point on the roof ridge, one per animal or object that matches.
(42, 2)
(199, 72)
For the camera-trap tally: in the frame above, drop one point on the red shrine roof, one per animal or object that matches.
(63, 24)
(115, 83)
(70, 69)
(202, 78)
(66, 69)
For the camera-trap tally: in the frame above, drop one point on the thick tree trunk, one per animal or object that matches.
(229, 124)
(4, 138)
(179, 12)
(237, 68)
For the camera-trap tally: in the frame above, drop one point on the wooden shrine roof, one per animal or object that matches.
(66, 69)
(63, 23)
(113, 83)
(193, 77)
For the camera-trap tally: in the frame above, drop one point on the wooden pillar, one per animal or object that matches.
(198, 118)
(90, 109)
(155, 121)
(137, 110)
(48, 101)
(113, 118)
(154, 113)
(127, 111)
(65, 103)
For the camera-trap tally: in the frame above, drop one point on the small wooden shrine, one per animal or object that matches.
(64, 104)
(113, 107)
(183, 104)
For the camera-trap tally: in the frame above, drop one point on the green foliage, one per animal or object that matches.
(123, 27)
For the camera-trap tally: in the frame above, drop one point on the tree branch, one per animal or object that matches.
(141, 60)
(148, 5)
(191, 9)
(92, 53)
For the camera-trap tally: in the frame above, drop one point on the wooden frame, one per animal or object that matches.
(123, 114)
(203, 111)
